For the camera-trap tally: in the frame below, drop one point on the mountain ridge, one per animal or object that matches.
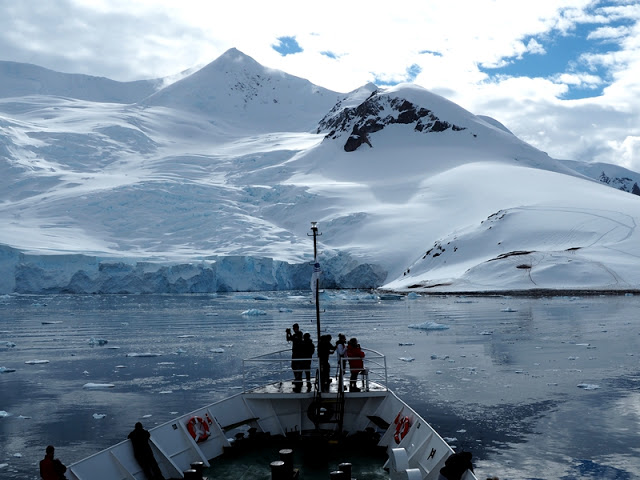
(209, 185)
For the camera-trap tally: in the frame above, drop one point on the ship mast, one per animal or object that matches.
(315, 276)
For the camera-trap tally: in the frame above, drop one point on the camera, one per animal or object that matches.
(288, 330)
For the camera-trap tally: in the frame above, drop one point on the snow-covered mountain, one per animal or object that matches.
(209, 184)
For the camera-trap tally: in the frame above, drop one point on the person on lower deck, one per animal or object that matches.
(356, 365)
(455, 466)
(144, 455)
(51, 468)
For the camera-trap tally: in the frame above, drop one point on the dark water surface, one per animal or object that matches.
(535, 388)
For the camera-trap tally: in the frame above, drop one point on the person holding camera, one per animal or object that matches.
(297, 352)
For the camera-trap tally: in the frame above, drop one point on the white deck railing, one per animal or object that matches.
(275, 367)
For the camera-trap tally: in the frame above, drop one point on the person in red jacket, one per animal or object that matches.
(51, 468)
(356, 365)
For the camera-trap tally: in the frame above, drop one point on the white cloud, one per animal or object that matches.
(129, 40)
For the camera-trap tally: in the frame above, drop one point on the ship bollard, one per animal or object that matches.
(278, 470)
(346, 468)
(286, 455)
(199, 468)
(191, 474)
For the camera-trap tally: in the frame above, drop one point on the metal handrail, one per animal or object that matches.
(259, 370)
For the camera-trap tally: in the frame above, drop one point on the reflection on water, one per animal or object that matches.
(502, 379)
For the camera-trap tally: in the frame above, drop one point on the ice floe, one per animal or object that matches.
(51, 322)
(165, 392)
(253, 312)
(97, 386)
(186, 336)
(144, 354)
(7, 370)
(99, 416)
(166, 363)
(217, 350)
(406, 359)
(4, 413)
(36, 362)
(509, 310)
(9, 344)
(406, 344)
(429, 326)
(97, 341)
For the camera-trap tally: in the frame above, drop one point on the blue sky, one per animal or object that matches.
(561, 74)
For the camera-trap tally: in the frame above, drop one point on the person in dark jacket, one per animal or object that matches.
(297, 352)
(144, 455)
(356, 365)
(307, 348)
(51, 468)
(325, 348)
(455, 466)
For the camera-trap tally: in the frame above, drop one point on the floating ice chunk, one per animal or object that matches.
(285, 310)
(253, 312)
(434, 356)
(148, 415)
(36, 362)
(86, 372)
(97, 341)
(450, 439)
(113, 348)
(97, 386)
(462, 430)
(484, 332)
(3, 465)
(17, 455)
(51, 322)
(406, 359)
(572, 358)
(429, 326)
(588, 386)
(166, 363)
(186, 336)
(144, 354)
(211, 314)
(508, 309)
(261, 297)
(181, 350)
(9, 344)
(120, 366)
(7, 370)
(4, 413)
(413, 295)
(23, 417)
(124, 323)
(217, 350)
(99, 416)
(165, 392)
(406, 344)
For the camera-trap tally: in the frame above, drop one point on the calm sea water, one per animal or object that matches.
(535, 388)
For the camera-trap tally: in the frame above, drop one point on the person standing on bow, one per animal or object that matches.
(308, 349)
(356, 365)
(297, 352)
(325, 348)
(341, 350)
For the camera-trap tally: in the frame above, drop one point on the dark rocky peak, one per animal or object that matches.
(373, 114)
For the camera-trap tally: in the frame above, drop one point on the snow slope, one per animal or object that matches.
(210, 184)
